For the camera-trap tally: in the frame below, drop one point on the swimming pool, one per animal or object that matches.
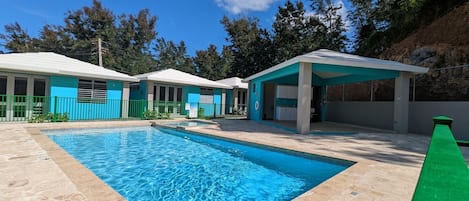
(146, 163)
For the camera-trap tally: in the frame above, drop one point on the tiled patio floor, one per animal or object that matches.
(33, 168)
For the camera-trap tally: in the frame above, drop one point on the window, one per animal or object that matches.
(3, 85)
(171, 94)
(206, 95)
(179, 95)
(92, 91)
(21, 83)
(135, 86)
(253, 87)
(162, 93)
(39, 87)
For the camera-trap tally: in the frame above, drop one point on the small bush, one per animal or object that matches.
(49, 117)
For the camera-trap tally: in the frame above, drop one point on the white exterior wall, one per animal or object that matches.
(380, 115)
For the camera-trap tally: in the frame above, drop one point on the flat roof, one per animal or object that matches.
(178, 77)
(235, 82)
(57, 64)
(329, 57)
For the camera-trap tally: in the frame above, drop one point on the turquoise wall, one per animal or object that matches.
(191, 94)
(256, 88)
(66, 90)
(255, 95)
(141, 93)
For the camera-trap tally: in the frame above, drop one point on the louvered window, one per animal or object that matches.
(92, 91)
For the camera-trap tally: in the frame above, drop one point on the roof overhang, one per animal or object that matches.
(328, 57)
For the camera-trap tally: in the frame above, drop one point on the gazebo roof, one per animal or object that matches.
(330, 64)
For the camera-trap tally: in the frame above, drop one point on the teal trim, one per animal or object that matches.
(289, 70)
(353, 70)
(356, 78)
(293, 80)
(285, 102)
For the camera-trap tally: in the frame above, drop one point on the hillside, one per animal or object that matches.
(443, 43)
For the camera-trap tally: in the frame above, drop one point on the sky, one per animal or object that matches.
(196, 22)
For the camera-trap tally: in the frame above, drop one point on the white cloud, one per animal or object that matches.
(239, 6)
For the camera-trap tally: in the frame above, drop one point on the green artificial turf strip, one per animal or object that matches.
(444, 175)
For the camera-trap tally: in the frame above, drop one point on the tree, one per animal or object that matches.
(17, 39)
(251, 47)
(335, 27)
(295, 33)
(126, 38)
(171, 55)
(210, 64)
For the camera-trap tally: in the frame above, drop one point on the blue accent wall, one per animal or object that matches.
(191, 94)
(217, 100)
(255, 95)
(66, 90)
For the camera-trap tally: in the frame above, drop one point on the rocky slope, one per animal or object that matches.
(443, 43)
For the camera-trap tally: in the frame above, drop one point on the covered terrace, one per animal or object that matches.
(295, 90)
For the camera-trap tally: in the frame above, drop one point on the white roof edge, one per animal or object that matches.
(234, 82)
(26, 69)
(272, 69)
(413, 69)
(49, 63)
(195, 81)
(187, 83)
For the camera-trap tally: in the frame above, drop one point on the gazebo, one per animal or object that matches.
(296, 89)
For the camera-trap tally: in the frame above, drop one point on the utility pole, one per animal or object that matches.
(100, 54)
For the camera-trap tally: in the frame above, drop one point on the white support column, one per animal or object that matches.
(175, 94)
(125, 100)
(156, 94)
(235, 99)
(247, 100)
(10, 93)
(223, 101)
(29, 93)
(303, 109)
(401, 103)
(150, 94)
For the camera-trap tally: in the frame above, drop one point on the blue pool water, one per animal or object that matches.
(146, 163)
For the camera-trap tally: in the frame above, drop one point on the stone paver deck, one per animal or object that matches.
(32, 167)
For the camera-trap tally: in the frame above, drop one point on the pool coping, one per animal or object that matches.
(96, 189)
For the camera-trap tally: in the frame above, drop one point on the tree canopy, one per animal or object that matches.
(131, 43)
